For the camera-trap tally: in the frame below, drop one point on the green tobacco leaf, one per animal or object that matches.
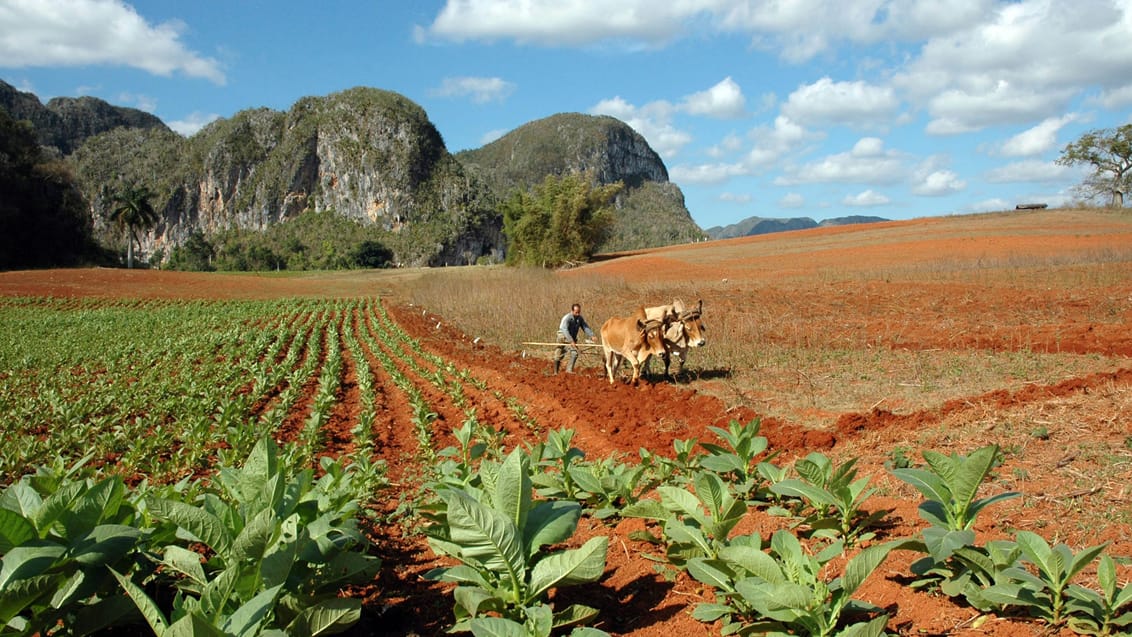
(327, 617)
(550, 522)
(484, 535)
(572, 615)
(497, 627)
(942, 542)
(187, 563)
(585, 479)
(253, 540)
(646, 509)
(282, 554)
(215, 596)
(17, 595)
(512, 495)
(95, 505)
(104, 544)
(21, 498)
(714, 573)
(873, 628)
(863, 565)
(815, 496)
(460, 574)
(474, 598)
(261, 465)
(927, 483)
(29, 560)
(248, 617)
(15, 529)
(708, 613)
(723, 463)
(566, 568)
(149, 610)
(681, 501)
(756, 562)
(203, 525)
(55, 507)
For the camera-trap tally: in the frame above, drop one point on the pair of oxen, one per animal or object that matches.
(665, 331)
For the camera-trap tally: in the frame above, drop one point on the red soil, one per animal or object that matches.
(635, 597)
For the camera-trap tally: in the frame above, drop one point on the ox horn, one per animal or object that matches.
(693, 314)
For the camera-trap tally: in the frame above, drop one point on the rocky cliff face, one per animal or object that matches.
(66, 122)
(650, 210)
(369, 155)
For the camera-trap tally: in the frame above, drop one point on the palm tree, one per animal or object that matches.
(133, 210)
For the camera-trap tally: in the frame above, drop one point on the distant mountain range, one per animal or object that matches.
(766, 225)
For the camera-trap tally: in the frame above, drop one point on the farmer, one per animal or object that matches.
(568, 329)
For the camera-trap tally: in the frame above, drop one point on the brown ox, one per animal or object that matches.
(683, 329)
(632, 338)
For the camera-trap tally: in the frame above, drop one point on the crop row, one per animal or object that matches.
(218, 519)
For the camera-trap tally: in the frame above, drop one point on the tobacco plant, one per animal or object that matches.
(60, 540)
(694, 524)
(782, 592)
(1104, 612)
(499, 534)
(835, 496)
(950, 484)
(737, 461)
(607, 486)
(1044, 591)
(277, 549)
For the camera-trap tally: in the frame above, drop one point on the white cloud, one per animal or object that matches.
(702, 174)
(1117, 98)
(867, 163)
(731, 143)
(846, 103)
(866, 199)
(91, 32)
(1029, 170)
(990, 205)
(480, 89)
(792, 200)
(731, 197)
(796, 31)
(654, 119)
(492, 135)
(564, 23)
(140, 101)
(724, 100)
(1036, 140)
(773, 143)
(938, 183)
(192, 123)
(1025, 61)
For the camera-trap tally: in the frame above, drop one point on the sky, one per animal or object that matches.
(770, 108)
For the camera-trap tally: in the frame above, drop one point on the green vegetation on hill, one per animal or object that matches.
(648, 212)
(311, 241)
(371, 156)
(42, 217)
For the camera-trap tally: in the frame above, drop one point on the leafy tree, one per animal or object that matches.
(195, 254)
(133, 211)
(1109, 152)
(371, 254)
(559, 222)
(43, 217)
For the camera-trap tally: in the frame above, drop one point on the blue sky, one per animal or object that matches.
(773, 108)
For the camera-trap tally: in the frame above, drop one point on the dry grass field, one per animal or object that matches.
(869, 341)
